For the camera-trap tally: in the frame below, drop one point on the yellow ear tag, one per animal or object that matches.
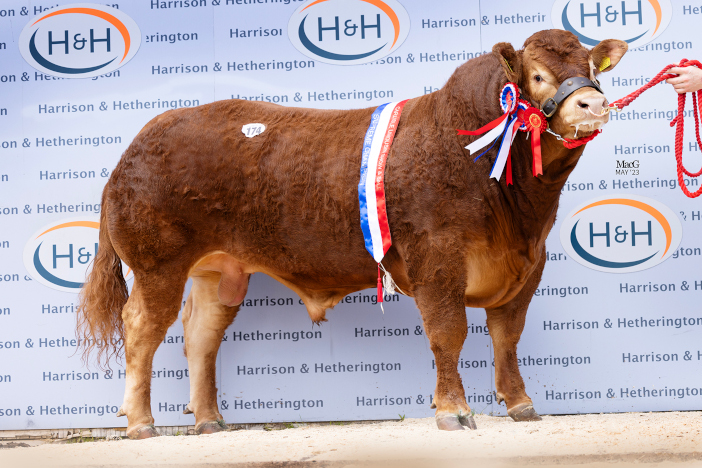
(606, 62)
(510, 68)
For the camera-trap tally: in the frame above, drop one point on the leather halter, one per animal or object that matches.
(568, 87)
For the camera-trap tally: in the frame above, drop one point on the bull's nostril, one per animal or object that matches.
(584, 105)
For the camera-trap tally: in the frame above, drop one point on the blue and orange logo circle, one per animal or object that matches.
(348, 32)
(636, 23)
(61, 254)
(80, 41)
(621, 234)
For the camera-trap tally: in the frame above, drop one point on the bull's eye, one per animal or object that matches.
(538, 78)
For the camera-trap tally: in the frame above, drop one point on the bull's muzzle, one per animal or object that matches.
(595, 104)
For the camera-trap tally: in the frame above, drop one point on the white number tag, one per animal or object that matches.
(253, 129)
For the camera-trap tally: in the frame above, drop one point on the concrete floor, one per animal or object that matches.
(601, 440)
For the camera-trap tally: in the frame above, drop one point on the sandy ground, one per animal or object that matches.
(601, 440)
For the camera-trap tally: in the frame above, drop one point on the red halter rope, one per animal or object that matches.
(570, 143)
(679, 119)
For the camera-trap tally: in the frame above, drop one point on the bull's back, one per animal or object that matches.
(191, 182)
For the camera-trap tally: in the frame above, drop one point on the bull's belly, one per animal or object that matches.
(234, 277)
(491, 281)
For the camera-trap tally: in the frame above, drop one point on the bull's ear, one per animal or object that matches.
(606, 54)
(510, 60)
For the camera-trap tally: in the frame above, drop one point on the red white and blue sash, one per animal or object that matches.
(371, 188)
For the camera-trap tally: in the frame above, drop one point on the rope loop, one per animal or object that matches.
(679, 119)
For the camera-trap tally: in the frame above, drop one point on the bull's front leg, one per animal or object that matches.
(444, 314)
(506, 324)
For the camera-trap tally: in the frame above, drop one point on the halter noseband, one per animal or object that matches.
(568, 87)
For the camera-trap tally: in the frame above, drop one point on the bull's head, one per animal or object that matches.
(546, 71)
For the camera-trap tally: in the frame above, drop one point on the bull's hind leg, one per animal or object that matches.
(205, 320)
(446, 326)
(152, 307)
(506, 324)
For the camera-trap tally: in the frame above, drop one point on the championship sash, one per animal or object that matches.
(371, 188)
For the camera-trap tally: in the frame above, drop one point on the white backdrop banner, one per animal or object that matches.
(596, 339)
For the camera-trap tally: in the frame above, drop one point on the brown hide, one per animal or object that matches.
(192, 196)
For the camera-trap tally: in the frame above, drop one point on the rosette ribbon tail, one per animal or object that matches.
(509, 169)
(494, 129)
(504, 151)
(502, 129)
(534, 121)
(536, 151)
(380, 290)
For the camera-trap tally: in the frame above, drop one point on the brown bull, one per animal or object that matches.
(193, 197)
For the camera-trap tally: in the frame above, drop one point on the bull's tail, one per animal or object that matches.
(101, 300)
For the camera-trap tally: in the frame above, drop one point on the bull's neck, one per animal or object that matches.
(536, 198)
(470, 100)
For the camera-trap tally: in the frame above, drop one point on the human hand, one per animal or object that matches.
(689, 79)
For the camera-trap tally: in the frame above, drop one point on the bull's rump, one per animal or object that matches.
(284, 201)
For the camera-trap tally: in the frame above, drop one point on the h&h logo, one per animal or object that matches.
(80, 40)
(621, 233)
(637, 22)
(348, 32)
(60, 254)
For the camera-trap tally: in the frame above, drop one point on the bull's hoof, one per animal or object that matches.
(454, 422)
(468, 421)
(145, 431)
(448, 422)
(121, 412)
(524, 412)
(210, 427)
(187, 409)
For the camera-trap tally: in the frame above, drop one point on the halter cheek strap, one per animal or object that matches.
(567, 88)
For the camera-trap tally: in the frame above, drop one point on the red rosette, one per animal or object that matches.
(534, 119)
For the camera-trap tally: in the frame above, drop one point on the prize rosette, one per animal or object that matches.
(517, 114)
(509, 96)
(534, 121)
(522, 106)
